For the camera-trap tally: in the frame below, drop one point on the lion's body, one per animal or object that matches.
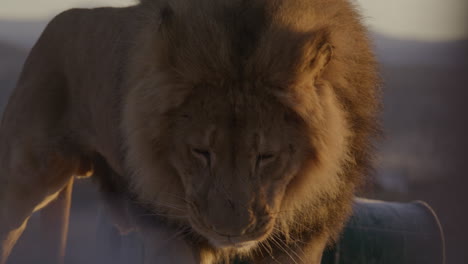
(102, 90)
(64, 110)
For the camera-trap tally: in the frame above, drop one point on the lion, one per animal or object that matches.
(244, 127)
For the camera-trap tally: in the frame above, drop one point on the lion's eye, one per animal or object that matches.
(264, 159)
(202, 154)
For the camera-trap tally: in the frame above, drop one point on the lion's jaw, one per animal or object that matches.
(236, 218)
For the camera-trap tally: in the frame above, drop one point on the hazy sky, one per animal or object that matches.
(416, 19)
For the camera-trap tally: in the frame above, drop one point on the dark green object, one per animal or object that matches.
(377, 233)
(389, 233)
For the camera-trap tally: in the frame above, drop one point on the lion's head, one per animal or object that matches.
(233, 122)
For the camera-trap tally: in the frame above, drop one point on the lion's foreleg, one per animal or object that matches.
(29, 181)
(8, 240)
(15, 210)
(54, 226)
(14, 215)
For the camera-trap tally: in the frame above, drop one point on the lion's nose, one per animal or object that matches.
(227, 218)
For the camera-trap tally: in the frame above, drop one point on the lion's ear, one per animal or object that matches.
(320, 61)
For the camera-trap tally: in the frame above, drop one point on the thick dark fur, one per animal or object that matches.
(116, 94)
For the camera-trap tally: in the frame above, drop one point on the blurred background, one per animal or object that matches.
(422, 47)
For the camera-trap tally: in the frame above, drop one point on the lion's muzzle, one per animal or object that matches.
(228, 223)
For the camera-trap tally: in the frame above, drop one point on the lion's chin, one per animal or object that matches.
(241, 246)
(240, 243)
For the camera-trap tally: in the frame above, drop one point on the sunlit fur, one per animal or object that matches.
(249, 69)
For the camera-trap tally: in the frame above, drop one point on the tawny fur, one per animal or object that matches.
(132, 88)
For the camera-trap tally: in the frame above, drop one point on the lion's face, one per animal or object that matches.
(234, 160)
(235, 155)
(234, 146)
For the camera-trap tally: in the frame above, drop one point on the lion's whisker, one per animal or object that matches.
(278, 244)
(288, 247)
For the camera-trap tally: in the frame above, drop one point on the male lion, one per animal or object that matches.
(245, 125)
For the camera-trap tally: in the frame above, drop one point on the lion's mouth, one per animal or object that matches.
(240, 242)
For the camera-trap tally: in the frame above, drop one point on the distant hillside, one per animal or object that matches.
(413, 52)
(390, 50)
(423, 114)
(12, 59)
(21, 33)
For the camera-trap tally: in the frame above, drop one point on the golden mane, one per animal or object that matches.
(270, 42)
